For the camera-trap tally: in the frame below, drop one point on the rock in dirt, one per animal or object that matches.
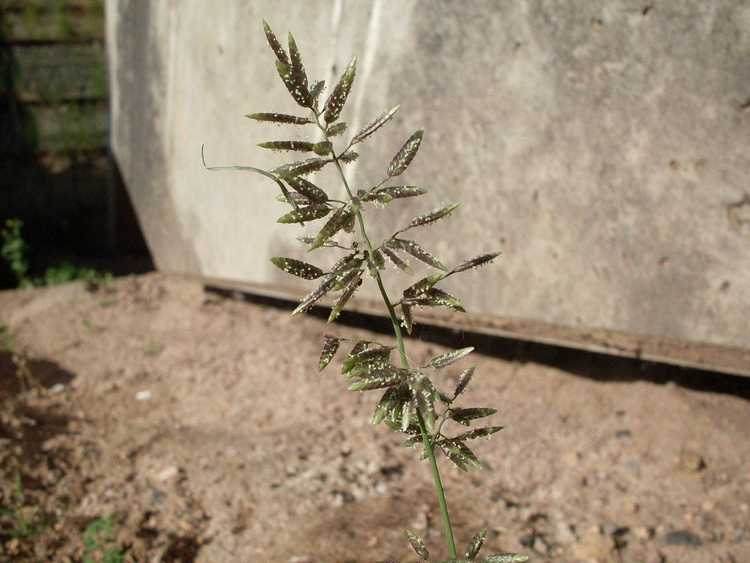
(682, 537)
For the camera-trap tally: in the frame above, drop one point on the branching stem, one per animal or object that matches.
(426, 440)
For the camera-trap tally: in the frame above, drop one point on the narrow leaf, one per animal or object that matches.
(463, 381)
(348, 157)
(293, 199)
(322, 148)
(405, 155)
(349, 262)
(316, 90)
(377, 380)
(332, 226)
(298, 74)
(435, 297)
(337, 99)
(381, 120)
(395, 260)
(378, 259)
(417, 251)
(418, 545)
(399, 192)
(330, 346)
(476, 544)
(378, 357)
(460, 454)
(465, 416)
(307, 189)
(336, 129)
(475, 262)
(385, 405)
(444, 360)
(349, 225)
(300, 95)
(309, 300)
(422, 286)
(297, 268)
(299, 168)
(309, 213)
(303, 146)
(406, 321)
(275, 44)
(341, 303)
(485, 432)
(432, 216)
(279, 118)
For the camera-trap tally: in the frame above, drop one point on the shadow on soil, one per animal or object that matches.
(592, 365)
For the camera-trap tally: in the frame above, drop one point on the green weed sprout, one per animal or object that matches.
(411, 403)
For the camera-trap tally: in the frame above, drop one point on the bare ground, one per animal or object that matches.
(201, 426)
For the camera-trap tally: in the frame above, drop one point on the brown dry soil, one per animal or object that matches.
(200, 426)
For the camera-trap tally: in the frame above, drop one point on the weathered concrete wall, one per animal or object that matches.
(601, 145)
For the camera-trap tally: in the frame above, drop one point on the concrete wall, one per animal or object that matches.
(603, 146)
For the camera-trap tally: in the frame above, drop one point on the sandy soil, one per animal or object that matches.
(200, 424)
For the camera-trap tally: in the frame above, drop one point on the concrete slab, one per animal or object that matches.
(602, 148)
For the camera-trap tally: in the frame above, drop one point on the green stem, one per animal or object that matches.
(427, 442)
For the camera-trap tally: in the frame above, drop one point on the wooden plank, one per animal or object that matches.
(51, 20)
(53, 73)
(59, 128)
(724, 359)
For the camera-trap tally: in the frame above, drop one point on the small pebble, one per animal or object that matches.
(144, 395)
(682, 537)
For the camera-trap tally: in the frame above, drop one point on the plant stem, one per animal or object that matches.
(426, 441)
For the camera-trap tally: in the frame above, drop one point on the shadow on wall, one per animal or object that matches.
(582, 363)
(57, 173)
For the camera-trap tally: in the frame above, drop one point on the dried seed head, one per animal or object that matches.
(405, 155)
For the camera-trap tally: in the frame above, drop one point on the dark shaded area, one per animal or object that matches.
(15, 370)
(58, 175)
(592, 365)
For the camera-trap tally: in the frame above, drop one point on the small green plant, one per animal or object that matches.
(412, 403)
(97, 539)
(24, 521)
(14, 251)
